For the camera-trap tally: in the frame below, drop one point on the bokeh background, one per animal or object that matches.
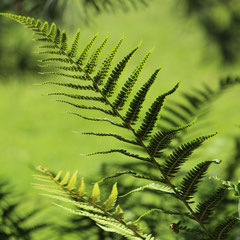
(195, 42)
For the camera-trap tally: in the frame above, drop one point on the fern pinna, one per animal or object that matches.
(99, 82)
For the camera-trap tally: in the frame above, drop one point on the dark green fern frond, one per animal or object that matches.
(104, 69)
(114, 77)
(109, 112)
(161, 140)
(136, 104)
(64, 41)
(152, 115)
(117, 136)
(74, 47)
(189, 183)
(129, 84)
(92, 63)
(73, 86)
(98, 119)
(76, 96)
(205, 209)
(223, 228)
(83, 56)
(122, 151)
(181, 154)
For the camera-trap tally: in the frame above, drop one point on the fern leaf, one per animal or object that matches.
(129, 84)
(58, 36)
(45, 28)
(83, 56)
(92, 63)
(223, 228)
(80, 77)
(71, 85)
(76, 96)
(56, 52)
(190, 182)
(122, 151)
(87, 107)
(181, 154)
(64, 41)
(118, 213)
(81, 188)
(133, 174)
(161, 140)
(136, 104)
(58, 175)
(152, 114)
(111, 135)
(52, 31)
(104, 69)
(65, 179)
(62, 60)
(97, 119)
(153, 186)
(74, 47)
(110, 202)
(205, 209)
(95, 197)
(114, 77)
(72, 181)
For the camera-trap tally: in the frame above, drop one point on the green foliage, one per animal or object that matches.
(106, 215)
(98, 83)
(13, 223)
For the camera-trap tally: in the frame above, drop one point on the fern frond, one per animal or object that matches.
(163, 188)
(111, 135)
(74, 47)
(128, 86)
(152, 114)
(98, 119)
(111, 201)
(92, 63)
(62, 60)
(223, 228)
(64, 41)
(162, 211)
(71, 85)
(77, 96)
(80, 77)
(190, 182)
(105, 67)
(115, 75)
(205, 209)
(122, 151)
(91, 206)
(83, 56)
(52, 31)
(161, 140)
(181, 154)
(136, 104)
(109, 112)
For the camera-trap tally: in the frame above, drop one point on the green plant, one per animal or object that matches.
(14, 224)
(99, 83)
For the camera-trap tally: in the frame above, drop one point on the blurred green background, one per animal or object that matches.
(35, 130)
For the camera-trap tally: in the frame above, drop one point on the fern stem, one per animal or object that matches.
(141, 143)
